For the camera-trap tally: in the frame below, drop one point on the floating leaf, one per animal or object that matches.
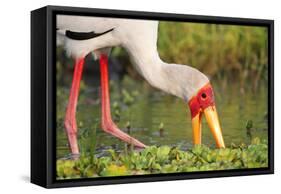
(165, 159)
(114, 170)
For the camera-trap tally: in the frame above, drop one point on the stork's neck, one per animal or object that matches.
(179, 80)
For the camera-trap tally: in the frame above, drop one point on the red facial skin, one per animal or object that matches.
(203, 99)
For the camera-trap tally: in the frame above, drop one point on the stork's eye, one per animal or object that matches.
(203, 95)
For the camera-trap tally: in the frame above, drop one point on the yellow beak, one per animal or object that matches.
(213, 122)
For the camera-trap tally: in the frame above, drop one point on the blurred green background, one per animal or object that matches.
(234, 57)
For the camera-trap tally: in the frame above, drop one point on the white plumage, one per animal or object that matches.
(139, 38)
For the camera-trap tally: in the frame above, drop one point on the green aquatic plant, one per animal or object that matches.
(165, 159)
(249, 127)
(161, 129)
(116, 111)
(161, 126)
(128, 99)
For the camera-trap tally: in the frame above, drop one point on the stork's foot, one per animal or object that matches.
(111, 128)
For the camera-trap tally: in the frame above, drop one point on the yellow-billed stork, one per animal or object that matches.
(82, 35)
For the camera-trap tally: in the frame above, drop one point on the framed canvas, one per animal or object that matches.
(126, 96)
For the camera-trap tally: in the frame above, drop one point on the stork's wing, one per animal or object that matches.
(79, 28)
(84, 35)
(100, 32)
(89, 26)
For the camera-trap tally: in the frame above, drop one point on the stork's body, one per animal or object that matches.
(83, 35)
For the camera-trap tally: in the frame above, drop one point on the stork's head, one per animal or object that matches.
(194, 87)
(203, 102)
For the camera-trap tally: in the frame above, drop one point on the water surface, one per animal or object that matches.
(151, 107)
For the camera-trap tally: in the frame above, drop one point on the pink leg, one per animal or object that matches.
(106, 122)
(70, 116)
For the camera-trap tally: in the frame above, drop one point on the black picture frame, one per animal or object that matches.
(43, 98)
